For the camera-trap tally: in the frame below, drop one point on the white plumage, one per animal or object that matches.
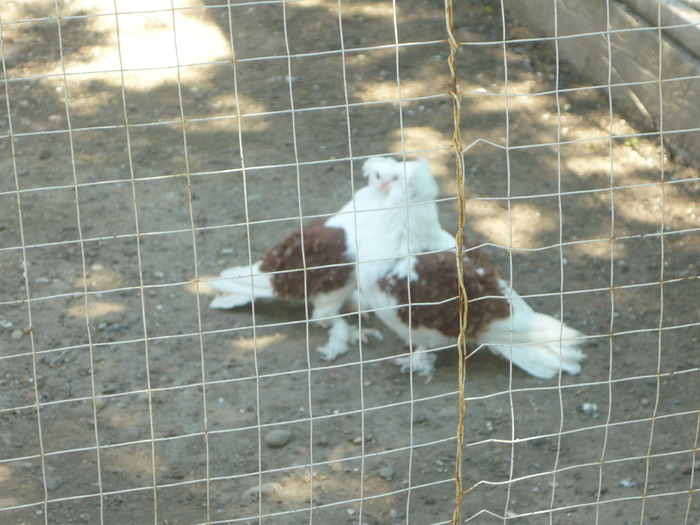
(333, 242)
(393, 273)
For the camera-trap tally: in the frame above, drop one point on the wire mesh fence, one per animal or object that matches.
(147, 146)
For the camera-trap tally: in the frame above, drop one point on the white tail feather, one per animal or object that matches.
(538, 343)
(239, 288)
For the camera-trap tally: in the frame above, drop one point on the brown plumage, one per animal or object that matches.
(498, 317)
(441, 289)
(317, 265)
(323, 251)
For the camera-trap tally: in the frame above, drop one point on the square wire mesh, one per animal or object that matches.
(147, 146)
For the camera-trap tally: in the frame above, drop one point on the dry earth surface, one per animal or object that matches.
(116, 377)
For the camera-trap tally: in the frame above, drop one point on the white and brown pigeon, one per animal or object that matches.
(327, 249)
(415, 293)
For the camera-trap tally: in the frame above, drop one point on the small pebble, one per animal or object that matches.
(266, 489)
(53, 482)
(386, 473)
(626, 482)
(687, 470)
(538, 442)
(277, 438)
(420, 419)
(17, 334)
(357, 440)
(590, 409)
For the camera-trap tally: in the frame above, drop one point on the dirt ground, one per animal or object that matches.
(125, 400)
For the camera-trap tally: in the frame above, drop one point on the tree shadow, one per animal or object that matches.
(241, 170)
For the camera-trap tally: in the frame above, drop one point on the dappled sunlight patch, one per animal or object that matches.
(379, 92)
(227, 102)
(593, 157)
(24, 9)
(388, 91)
(417, 138)
(338, 456)
(641, 207)
(597, 249)
(201, 286)
(148, 36)
(442, 162)
(95, 308)
(644, 208)
(100, 278)
(374, 9)
(593, 165)
(526, 224)
(7, 502)
(230, 122)
(686, 215)
(247, 345)
(5, 474)
(296, 487)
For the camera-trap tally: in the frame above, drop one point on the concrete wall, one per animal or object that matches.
(634, 58)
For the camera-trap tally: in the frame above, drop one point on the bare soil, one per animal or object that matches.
(124, 399)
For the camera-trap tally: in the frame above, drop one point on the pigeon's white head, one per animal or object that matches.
(413, 182)
(381, 172)
(421, 185)
(396, 180)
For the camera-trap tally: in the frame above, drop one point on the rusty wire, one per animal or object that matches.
(461, 206)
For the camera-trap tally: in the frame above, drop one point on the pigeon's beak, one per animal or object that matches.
(384, 186)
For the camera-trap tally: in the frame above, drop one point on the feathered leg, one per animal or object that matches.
(420, 361)
(340, 333)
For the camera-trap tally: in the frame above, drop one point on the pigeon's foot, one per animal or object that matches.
(420, 362)
(338, 336)
(365, 334)
(332, 349)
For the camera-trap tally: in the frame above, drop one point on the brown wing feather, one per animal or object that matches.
(321, 246)
(437, 283)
